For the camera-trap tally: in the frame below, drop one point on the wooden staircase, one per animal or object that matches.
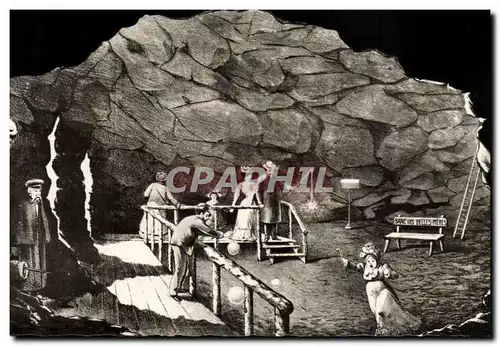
(468, 199)
(280, 248)
(287, 246)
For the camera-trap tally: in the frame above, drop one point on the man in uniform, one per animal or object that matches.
(31, 234)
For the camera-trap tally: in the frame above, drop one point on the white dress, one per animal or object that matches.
(392, 319)
(245, 227)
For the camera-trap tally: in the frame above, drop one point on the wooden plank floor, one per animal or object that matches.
(137, 296)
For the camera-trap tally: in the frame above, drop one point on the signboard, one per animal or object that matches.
(420, 221)
(349, 183)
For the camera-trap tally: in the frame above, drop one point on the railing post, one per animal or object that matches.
(281, 322)
(248, 311)
(304, 246)
(160, 244)
(216, 241)
(153, 235)
(259, 235)
(216, 296)
(290, 233)
(170, 254)
(146, 235)
(192, 274)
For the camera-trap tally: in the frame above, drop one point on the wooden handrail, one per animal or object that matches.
(297, 218)
(158, 217)
(195, 207)
(267, 293)
(282, 306)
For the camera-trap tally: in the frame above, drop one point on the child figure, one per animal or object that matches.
(392, 319)
(221, 219)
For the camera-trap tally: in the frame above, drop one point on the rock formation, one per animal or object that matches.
(232, 88)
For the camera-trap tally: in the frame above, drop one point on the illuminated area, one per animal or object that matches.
(312, 205)
(88, 182)
(51, 196)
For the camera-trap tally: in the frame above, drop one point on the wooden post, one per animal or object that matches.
(170, 253)
(216, 241)
(281, 323)
(290, 224)
(259, 236)
(304, 246)
(248, 311)
(387, 241)
(176, 216)
(192, 274)
(160, 244)
(153, 236)
(440, 240)
(147, 228)
(216, 295)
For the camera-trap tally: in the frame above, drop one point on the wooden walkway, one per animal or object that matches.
(137, 296)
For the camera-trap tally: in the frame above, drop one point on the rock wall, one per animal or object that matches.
(240, 88)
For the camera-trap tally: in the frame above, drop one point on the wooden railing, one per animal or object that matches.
(282, 306)
(293, 215)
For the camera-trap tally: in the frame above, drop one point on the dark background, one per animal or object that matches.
(446, 46)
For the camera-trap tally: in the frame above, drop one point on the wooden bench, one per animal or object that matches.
(401, 221)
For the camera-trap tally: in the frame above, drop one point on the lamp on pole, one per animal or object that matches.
(349, 184)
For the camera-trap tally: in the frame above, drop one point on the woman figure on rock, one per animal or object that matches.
(392, 319)
(158, 195)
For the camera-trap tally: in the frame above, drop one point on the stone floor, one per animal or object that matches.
(444, 288)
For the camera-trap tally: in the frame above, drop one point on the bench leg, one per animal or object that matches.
(398, 244)
(431, 247)
(441, 245)
(386, 245)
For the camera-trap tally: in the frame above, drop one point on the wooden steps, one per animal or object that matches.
(271, 246)
(278, 248)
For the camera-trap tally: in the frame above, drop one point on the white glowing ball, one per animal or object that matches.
(276, 283)
(233, 248)
(236, 295)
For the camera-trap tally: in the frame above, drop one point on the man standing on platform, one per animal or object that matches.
(183, 239)
(30, 235)
(270, 214)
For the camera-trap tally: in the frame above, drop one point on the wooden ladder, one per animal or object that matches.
(465, 208)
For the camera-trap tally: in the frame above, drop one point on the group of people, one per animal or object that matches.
(250, 192)
(188, 229)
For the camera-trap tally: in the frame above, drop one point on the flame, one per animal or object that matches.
(52, 194)
(88, 182)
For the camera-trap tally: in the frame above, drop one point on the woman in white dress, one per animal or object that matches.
(246, 220)
(391, 317)
(157, 194)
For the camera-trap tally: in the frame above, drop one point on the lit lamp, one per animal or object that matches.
(349, 184)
